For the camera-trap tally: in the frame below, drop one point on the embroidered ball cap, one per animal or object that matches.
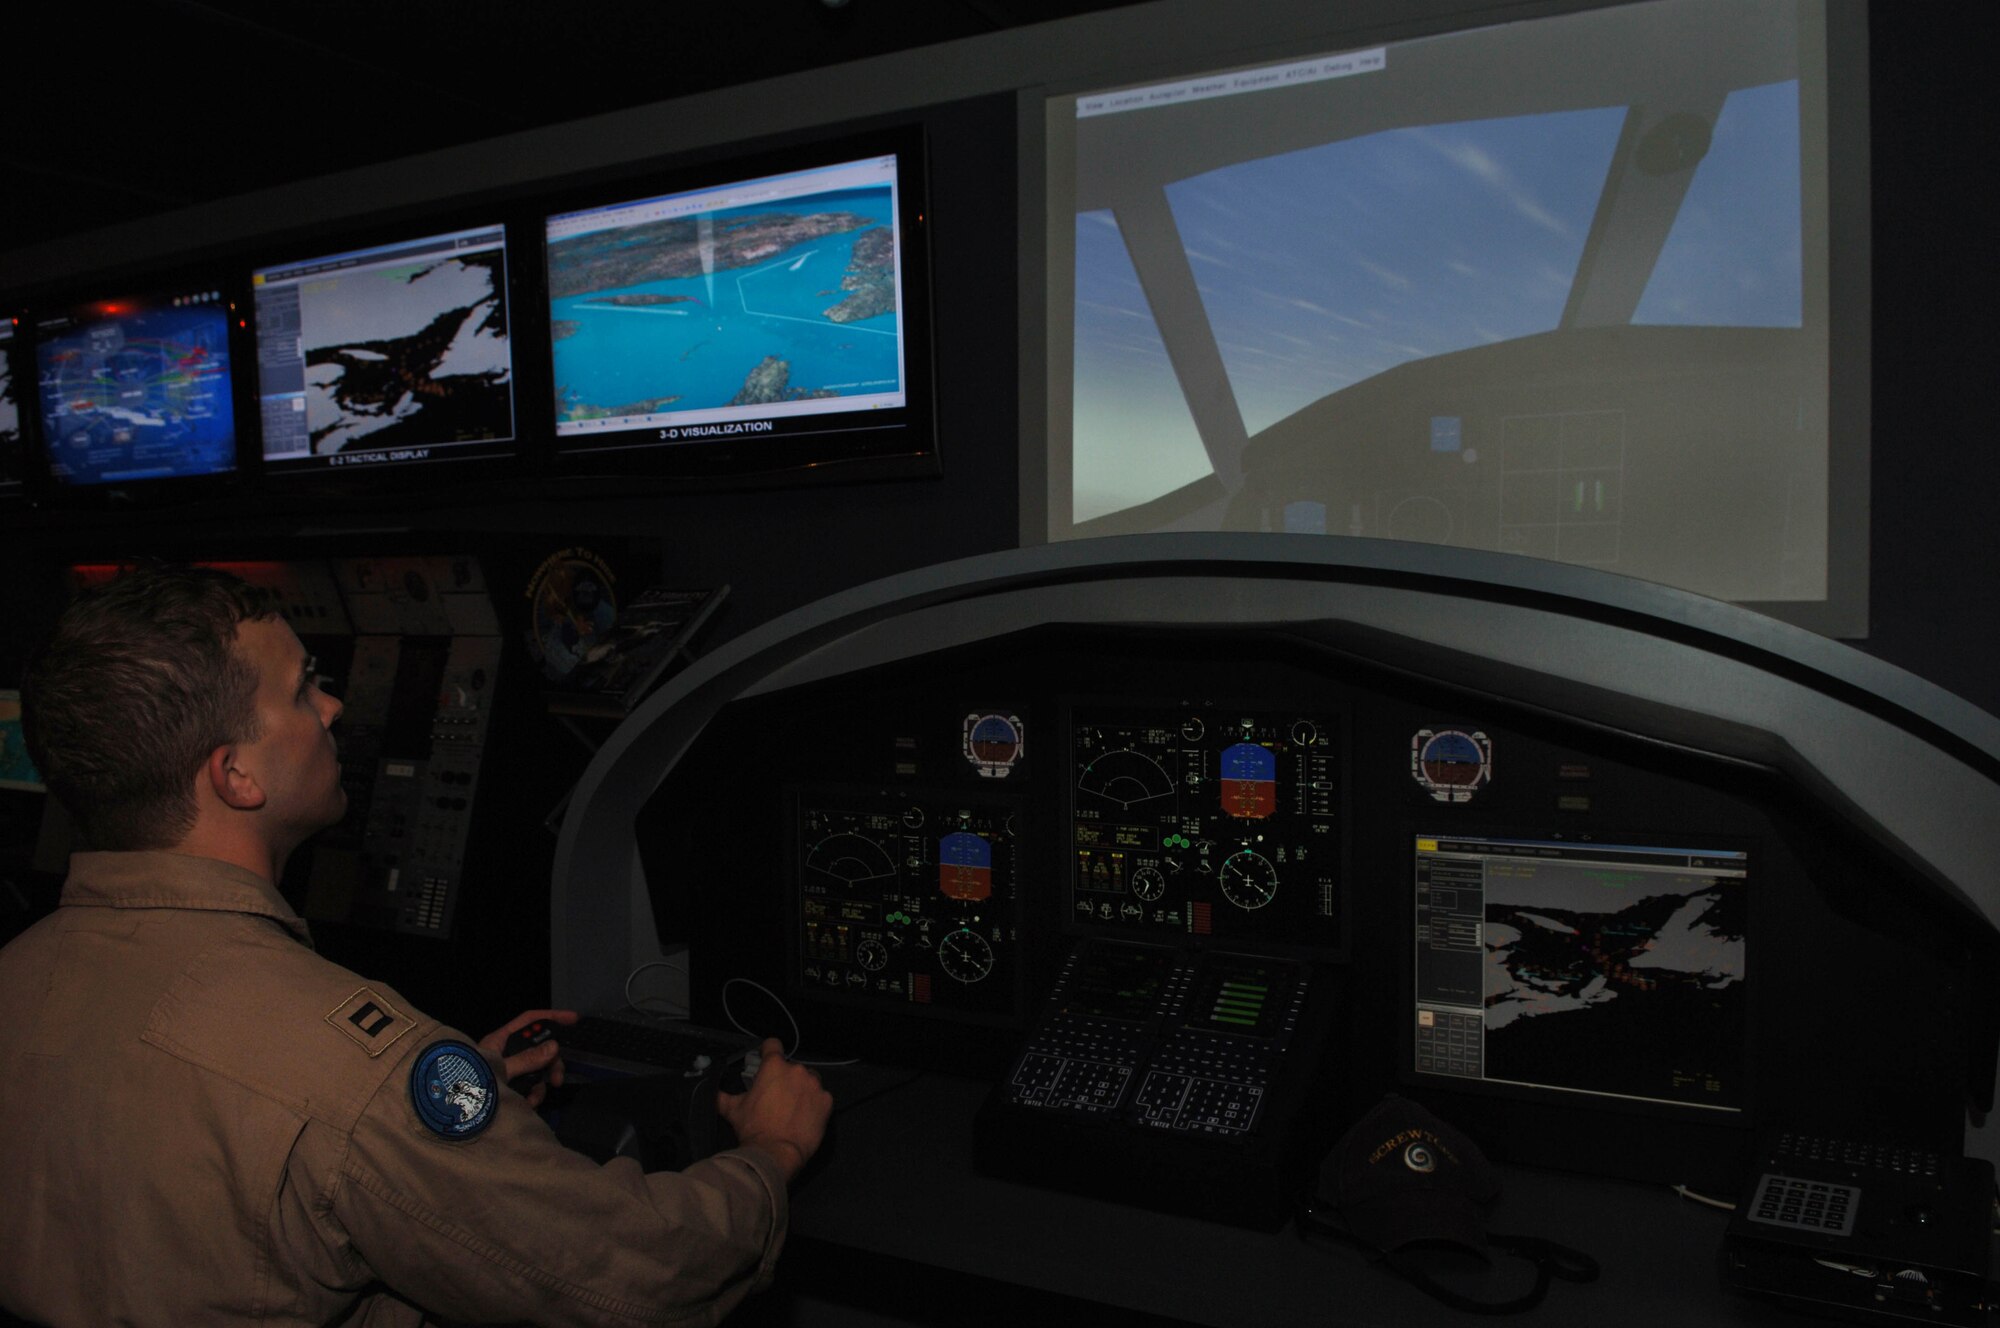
(1402, 1177)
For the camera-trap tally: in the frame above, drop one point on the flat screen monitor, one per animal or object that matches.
(750, 323)
(1609, 972)
(136, 391)
(1579, 287)
(386, 357)
(10, 413)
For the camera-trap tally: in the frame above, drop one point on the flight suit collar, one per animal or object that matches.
(157, 879)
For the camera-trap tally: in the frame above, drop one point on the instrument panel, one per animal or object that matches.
(1206, 821)
(1203, 803)
(907, 899)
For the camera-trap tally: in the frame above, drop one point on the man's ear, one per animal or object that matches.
(235, 786)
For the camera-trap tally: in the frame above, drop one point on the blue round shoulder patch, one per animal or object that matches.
(453, 1090)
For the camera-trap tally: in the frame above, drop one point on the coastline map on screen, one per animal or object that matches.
(396, 353)
(719, 312)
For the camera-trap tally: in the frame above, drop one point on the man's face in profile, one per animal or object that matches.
(293, 758)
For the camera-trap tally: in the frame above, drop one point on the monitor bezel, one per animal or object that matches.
(1554, 1101)
(41, 485)
(495, 460)
(900, 443)
(14, 341)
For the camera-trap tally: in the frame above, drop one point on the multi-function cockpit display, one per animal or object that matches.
(1206, 821)
(908, 899)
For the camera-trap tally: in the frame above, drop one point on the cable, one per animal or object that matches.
(1688, 1194)
(783, 1009)
(681, 1014)
(797, 1037)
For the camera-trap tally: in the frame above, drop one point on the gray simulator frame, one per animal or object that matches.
(1909, 765)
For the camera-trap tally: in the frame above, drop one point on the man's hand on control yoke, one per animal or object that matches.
(783, 1112)
(547, 1056)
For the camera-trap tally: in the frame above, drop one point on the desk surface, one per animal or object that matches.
(899, 1187)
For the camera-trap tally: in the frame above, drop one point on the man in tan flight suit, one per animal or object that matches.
(204, 1122)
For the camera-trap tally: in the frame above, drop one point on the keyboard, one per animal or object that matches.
(656, 1045)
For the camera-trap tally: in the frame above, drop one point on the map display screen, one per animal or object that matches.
(767, 320)
(137, 390)
(1588, 968)
(10, 413)
(391, 355)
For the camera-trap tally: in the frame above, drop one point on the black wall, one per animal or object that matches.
(1934, 609)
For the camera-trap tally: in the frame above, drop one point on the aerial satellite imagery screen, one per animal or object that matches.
(716, 312)
(388, 355)
(137, 390)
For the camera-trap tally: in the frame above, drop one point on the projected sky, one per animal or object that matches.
(1323, 267)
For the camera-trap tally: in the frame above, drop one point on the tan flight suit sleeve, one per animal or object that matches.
(511, 1225)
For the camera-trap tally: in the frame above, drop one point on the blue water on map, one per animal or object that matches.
(702, 349)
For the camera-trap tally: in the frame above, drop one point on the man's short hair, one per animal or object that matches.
(138, 684)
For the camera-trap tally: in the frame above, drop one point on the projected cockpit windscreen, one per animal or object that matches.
(1557, 288)
(1611, 970)
(1206, 821)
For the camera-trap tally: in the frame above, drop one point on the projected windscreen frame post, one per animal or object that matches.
(388, 358)
(1450, 284)
(678, 370)
(156, 365)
